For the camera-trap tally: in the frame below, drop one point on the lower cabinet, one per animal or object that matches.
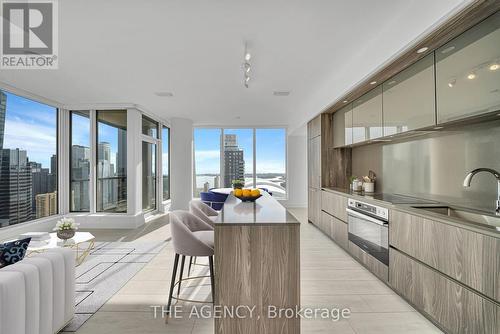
(314, 205)
(456, 308)
(334, 204)
(334, 228)
(375, 266)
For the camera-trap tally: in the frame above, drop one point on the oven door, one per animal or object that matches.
(370, 234)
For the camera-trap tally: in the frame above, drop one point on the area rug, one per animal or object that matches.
(105, 271)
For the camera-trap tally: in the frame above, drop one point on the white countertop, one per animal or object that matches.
(264, 211)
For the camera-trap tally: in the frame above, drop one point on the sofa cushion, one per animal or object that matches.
(13, 251)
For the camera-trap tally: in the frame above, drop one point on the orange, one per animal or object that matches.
(238, 192)
(255, 193)
(246, 193)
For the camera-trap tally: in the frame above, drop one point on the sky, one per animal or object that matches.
(270, 149)
(31, 126)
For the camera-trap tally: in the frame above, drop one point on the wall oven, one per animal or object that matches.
(369, 228)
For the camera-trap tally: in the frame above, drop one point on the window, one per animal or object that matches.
(270, 150)
(148, 176)
(165, 136)
(150, 132)
(207, 163)
(28, 160)
(111, 161)
(80, 161)
(149, 127)
(233, 152)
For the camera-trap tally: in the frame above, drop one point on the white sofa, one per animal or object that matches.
(37, 294)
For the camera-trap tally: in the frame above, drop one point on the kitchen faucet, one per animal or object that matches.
(496, 174)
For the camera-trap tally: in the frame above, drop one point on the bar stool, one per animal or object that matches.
(212, 199)
(191, 236)
(203, 211)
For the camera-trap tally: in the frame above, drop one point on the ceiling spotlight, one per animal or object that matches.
(471, 76)
(345, 101)
(494, 67)
(373, 83)
(422, 50)
(246, 66)
(452, 83)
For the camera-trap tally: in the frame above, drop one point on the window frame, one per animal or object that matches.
(157, 142)
(70, 161)
(221, 159)
(162, 141)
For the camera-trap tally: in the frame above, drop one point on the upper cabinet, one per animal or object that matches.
(342, 126)
(367, 116)
(409, 98)
(468, 72)
(314, 127)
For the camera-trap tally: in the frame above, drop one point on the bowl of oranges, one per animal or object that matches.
(247, 195)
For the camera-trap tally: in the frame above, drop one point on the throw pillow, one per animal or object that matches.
(13, 251)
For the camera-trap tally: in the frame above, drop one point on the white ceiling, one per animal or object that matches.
(123, 51)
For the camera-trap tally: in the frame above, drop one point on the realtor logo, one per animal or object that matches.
(29, 34)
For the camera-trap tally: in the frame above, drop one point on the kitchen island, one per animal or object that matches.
(257, 267)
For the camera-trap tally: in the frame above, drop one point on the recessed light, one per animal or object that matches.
(422, 50)
(452, 83)
(281, 93)
(494, 67)
(448, 49)
(345, 101)
(373, 83)
(471, 76)
(164, 94)
(248, 56)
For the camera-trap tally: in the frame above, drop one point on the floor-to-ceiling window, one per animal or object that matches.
(207, 159)
(28, 159)
(111, 194)
(165, 142)
(256, 155)
(270, 160)
(80, 161)
(150, 136)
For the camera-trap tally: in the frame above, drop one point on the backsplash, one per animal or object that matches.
(434, 166)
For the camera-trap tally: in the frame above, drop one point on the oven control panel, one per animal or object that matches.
(371, 209)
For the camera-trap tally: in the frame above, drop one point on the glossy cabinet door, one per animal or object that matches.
(342, 127)
(409, 98)
(468, 72)
(367, 116)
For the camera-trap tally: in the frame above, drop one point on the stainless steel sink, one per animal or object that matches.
(474, 217)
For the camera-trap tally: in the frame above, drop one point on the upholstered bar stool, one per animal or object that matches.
(191, 236)
(203, 211)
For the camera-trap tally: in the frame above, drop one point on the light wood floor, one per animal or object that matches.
(330, 278)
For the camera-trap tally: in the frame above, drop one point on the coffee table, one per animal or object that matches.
(77, 242)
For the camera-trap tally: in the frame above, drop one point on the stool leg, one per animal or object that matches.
(212, 277)
(180, 275)
(172, 283)
(190, 264)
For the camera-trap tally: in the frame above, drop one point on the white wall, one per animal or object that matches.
(181, 163)
(297, 170)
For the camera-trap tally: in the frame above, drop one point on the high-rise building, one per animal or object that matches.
(234, 163)
(53, 174)
(40, 183)
(3, 111)
(46, 205)
(80, 176)
(15, 187)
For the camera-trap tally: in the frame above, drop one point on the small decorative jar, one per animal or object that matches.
(369, 187)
